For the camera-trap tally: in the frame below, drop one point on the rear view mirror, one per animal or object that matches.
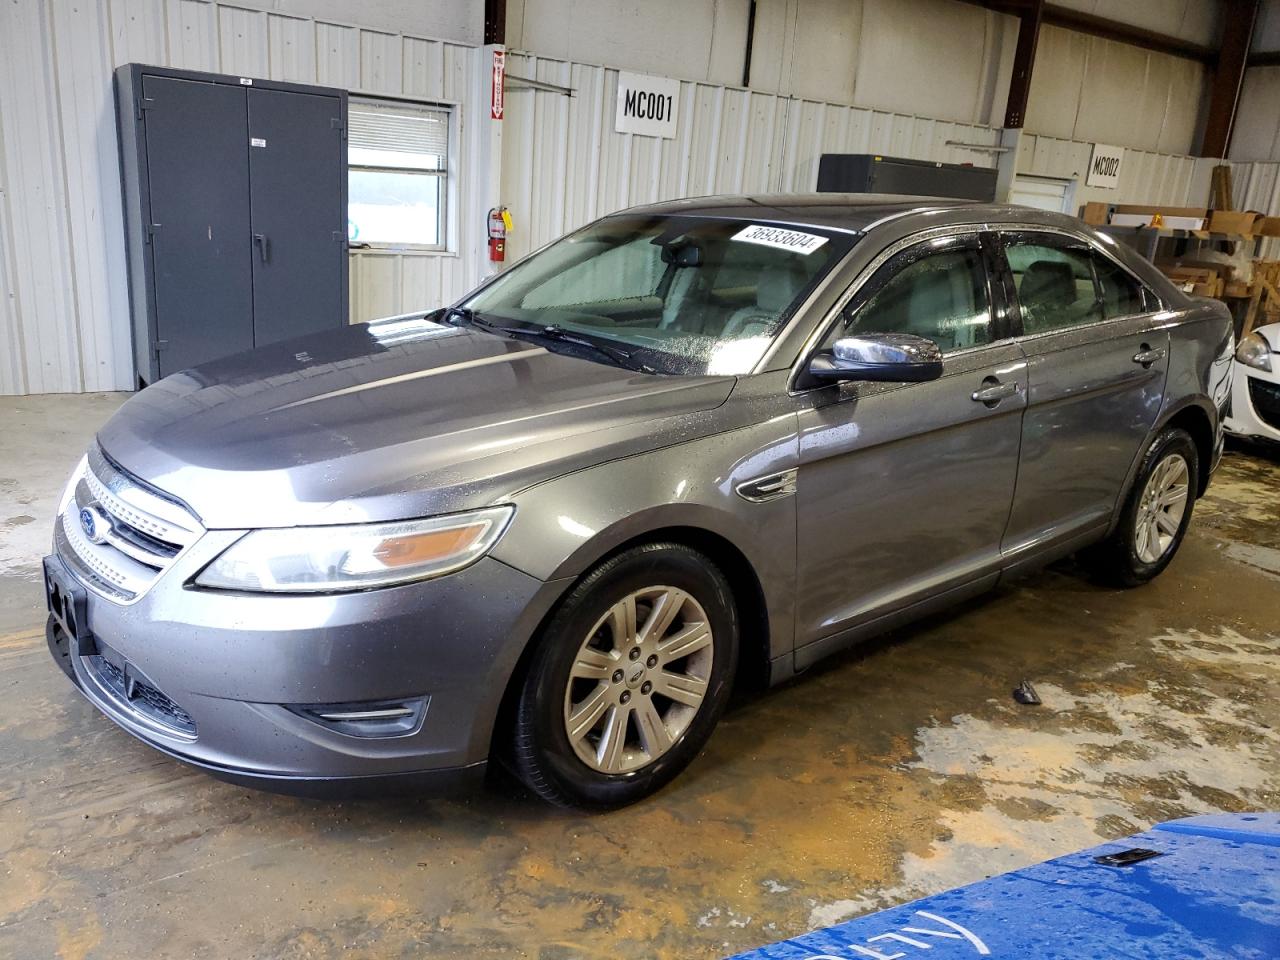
(886, 357)
(682, 253)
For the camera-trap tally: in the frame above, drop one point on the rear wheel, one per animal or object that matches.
(629, 678)
(1155, 516)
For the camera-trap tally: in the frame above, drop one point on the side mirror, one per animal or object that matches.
(889, 357)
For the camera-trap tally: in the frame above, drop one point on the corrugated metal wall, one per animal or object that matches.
(563, 163)
(1145, 177)
(1256, 186)
(63, 313)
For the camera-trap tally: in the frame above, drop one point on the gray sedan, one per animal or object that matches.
(691, 445)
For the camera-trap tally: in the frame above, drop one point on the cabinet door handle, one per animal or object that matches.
(264, 246)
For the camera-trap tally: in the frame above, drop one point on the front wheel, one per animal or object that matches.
(1156, 513)
(629, 678)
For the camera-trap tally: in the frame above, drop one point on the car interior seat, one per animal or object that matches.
(1050, 297)
(942, 308)
(778, 287)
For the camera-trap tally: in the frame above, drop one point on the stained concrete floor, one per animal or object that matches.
(899, 771)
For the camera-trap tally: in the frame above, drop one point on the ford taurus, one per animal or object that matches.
(690, 444)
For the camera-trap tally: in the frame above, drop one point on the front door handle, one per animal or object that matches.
(264, 245)
(993, 391)
(1147, 356)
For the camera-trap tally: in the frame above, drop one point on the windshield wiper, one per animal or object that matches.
(465, 314)
(616, 355)
(619, 356)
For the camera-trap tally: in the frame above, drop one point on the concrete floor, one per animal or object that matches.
(900, 771)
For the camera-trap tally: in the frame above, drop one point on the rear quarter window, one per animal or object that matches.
(1122, 295)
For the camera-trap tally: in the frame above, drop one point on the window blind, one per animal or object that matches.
(405, 137)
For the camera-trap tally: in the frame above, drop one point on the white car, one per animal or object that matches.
(1254, 413)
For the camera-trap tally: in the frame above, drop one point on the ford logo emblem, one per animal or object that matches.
(94, 523)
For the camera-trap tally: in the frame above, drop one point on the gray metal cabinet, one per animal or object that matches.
(235, 196)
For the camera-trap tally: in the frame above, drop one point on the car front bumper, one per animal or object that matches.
(217, 679)
(1255, 404)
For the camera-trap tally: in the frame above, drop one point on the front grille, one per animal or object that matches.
(1265, 398)
(137, 696)
(144, 533)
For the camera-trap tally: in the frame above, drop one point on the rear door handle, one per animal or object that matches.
(993, 391)
(1147, 356)
(264, 245)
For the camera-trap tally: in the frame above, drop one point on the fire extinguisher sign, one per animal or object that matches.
(499, 79)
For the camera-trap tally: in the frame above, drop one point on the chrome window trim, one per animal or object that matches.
(1017, 226)
(1095, 324)
(821, 329)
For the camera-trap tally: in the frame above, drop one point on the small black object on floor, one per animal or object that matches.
(1026, 694)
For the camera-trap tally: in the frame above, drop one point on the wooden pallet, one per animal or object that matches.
(1264, 297)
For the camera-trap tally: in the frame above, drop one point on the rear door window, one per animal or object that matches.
(1054, 283)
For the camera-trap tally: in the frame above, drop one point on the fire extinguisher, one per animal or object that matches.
(498, 221)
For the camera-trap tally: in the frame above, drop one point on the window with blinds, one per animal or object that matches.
(398, 170)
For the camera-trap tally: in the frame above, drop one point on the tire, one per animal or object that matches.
(640, 738)
(1142, 544)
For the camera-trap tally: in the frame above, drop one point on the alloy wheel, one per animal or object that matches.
(1161, 508)
(638, 679)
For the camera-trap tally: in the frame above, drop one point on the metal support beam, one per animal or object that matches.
(1107, 29)
(1238, 20)
(495, 22)
(1265, 58)
(1024, 61)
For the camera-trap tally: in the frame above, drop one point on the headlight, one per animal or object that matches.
(355, 557)
(1254, 352)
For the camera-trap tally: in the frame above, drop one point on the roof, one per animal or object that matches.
(839, 211)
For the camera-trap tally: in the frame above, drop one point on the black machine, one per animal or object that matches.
(870, 173)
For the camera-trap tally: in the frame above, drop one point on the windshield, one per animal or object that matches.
(667, 294)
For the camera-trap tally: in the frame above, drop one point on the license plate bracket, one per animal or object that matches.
(68, 604)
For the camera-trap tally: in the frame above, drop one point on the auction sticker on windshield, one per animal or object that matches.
(781, 239)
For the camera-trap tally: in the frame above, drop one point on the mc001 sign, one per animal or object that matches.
(647, 105)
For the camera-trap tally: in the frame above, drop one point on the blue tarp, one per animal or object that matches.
(1212, 892)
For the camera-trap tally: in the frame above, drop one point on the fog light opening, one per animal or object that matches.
(383, 718)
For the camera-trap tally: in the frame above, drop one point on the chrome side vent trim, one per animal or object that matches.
(772, 487)
(371, 720)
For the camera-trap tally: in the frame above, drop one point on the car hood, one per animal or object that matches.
(390, 420)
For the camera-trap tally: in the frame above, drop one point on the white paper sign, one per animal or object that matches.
(780, 238)
(1104, 166)
(647, 105)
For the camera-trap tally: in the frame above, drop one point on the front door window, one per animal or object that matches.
(940, 295)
